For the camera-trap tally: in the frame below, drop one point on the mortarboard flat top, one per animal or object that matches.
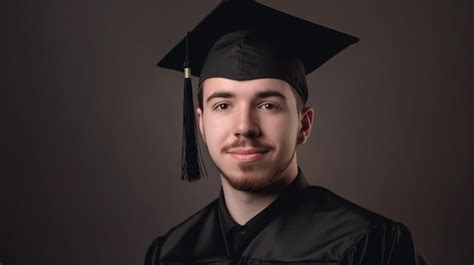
(311, 43)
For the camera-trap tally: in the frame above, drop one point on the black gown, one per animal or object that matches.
(304, 225)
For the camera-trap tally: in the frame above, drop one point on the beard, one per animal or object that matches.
(249, 180)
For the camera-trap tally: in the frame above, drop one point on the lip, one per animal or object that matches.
(247, 155)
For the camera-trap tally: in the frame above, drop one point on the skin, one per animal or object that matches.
(252, 129)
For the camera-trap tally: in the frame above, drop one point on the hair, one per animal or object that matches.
(199, 96)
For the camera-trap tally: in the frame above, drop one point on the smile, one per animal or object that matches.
(247, 155)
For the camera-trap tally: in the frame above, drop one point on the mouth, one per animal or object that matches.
(247, 155)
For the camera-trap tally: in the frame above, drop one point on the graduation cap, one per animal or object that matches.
(244, 40)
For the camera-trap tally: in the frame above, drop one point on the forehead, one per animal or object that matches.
(246, 87)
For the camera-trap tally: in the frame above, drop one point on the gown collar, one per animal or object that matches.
(263, 218)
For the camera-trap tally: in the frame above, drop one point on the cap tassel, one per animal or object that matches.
(192, 168)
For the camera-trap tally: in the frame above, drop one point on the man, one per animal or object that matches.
(252, 115)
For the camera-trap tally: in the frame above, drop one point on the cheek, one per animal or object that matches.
(215, 131)
(282, 129)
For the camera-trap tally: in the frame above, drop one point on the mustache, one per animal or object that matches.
(244, 142)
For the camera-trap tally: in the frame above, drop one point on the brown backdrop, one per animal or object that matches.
(91, 128)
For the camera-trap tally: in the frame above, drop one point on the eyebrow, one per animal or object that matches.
(270, 93)
(260, 95)
(220, 94)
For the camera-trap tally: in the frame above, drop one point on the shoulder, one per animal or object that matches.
(358, 227)
(322, 201)
(328, 216)
(194, 220)
(322, 226)
(181, 234)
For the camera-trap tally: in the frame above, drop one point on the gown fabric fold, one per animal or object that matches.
(304, 225)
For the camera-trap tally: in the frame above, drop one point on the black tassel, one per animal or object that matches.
(192, 167)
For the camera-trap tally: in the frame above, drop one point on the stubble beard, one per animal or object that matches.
(249, 182)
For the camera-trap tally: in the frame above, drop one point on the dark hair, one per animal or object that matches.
(199, 96)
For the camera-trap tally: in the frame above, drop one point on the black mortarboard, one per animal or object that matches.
(243, 40)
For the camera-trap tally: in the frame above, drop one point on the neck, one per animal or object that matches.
(243, 205)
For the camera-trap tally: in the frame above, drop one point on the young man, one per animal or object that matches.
(252, 116)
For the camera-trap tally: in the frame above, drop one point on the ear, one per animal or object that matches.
(201, 123)
(306, 123)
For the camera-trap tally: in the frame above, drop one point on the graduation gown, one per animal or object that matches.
(304, 225)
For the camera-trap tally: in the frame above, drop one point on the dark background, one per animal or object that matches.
(91, 134)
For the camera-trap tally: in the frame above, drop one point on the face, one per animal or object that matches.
(251, 129)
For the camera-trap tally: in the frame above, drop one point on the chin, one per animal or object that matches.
(251, 177)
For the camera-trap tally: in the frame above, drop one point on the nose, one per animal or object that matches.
(247, 124)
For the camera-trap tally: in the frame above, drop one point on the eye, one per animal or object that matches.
(221, 106)
(268, 106)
